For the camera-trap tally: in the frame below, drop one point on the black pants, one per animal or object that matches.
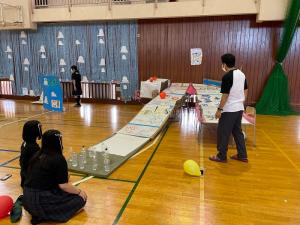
(230, 123)
(77, 98)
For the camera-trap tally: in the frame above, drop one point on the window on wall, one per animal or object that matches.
(6, 87)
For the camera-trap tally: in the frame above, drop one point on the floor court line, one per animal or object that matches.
(11, 167)
(18, 168)
(74, 125)
(202, 179)
(8, 150)
(9, 161)
(104, 111)
(90, 177)
(119, 215)
(82, 180)
(145, 149)
(4, 165)
(17, 121)
(282, 152)
(116, 179)
(77, 175)
(96, 122)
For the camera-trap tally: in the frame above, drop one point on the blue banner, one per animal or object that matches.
(212, 82)
(53, 94)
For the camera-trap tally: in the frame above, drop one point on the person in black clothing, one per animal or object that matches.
(76, 79)
(48, 196)
(32, 130)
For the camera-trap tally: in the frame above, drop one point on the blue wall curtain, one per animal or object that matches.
(95, 48)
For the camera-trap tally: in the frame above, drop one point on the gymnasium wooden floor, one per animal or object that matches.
(151, 188)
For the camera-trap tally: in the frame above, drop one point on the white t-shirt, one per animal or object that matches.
(234, 83)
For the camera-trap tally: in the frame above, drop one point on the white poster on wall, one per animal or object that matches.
(196, 56)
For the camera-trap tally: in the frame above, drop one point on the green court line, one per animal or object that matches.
(118, 217)
(113, 179)
(72, 174)
(116, 179)
(9, 161)
(18, 168)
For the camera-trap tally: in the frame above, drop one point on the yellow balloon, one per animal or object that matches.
(191, 168)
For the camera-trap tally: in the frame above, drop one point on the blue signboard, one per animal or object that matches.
(53, 94)
(212, 82)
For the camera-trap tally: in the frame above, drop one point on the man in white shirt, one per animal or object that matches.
(230, 111)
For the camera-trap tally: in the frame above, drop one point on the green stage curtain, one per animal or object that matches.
(275, 96)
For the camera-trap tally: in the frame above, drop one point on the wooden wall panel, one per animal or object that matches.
(164, 50)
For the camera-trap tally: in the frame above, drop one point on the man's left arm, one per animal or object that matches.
(221, 105)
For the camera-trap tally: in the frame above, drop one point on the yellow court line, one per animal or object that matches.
(282, 152)
(82, 180)
(152, 144)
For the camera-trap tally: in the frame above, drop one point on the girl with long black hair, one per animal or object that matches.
(32, 131)
(48, 196)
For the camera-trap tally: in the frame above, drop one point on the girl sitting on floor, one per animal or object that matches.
(47, 194)
(32, 130)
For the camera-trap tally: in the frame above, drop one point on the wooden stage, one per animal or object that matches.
(151, 187)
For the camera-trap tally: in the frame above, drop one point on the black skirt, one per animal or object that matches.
(53, 205)
(77, 92)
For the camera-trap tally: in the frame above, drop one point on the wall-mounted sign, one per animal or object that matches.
(196, 56)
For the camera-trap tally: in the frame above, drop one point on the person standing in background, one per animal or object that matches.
(234, 91)
(76, 79)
